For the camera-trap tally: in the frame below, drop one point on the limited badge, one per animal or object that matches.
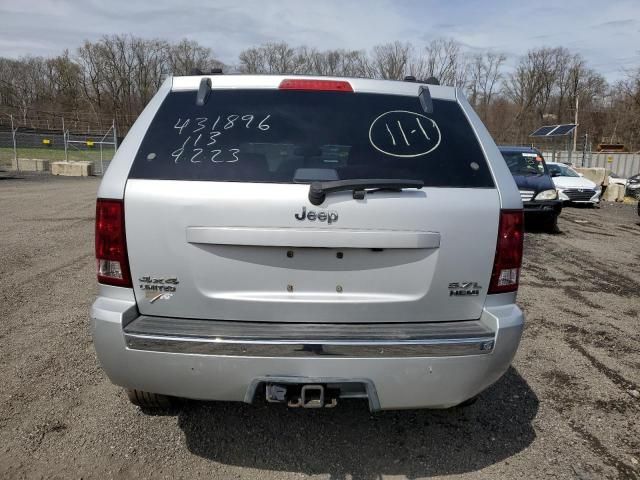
(158, 288)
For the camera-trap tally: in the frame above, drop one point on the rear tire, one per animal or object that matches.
(148, 400)
(550, 223)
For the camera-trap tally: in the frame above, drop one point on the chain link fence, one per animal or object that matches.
(34, 149)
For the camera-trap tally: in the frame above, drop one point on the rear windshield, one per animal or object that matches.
(300, 136)
(525, 163)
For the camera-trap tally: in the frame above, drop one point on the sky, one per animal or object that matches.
(606, 33)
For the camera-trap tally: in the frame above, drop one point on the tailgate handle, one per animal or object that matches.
(308, 237)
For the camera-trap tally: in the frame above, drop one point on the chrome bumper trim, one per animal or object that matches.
(315, 348)
(281, 339)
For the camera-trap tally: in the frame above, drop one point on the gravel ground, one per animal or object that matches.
(568, 408)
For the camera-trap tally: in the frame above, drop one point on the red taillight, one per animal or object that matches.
(318, 85)
(506, 266)
(111, 246)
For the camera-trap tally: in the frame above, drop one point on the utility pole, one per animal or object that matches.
(575, 130)
(15, 150)
(584, 150)
(64, 140)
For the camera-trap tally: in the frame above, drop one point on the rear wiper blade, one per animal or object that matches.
(318, 190)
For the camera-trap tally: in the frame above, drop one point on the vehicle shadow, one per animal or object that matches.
(536, 226)
(349, 441)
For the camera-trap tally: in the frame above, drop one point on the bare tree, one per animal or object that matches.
(64, 78)
(390, 61)
(272, 58)
(544, 89)
(347, 63)
(485, 74)
(623, 115)
(23, 83)
(252, 60)
(442, 59)
(187, 55)
(117, 75)
(120, 73)
(531, 87)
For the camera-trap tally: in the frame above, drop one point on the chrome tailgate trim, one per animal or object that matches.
(312, 237)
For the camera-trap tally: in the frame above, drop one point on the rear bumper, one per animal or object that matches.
(437, 369)
(542, 207)
(261, 339)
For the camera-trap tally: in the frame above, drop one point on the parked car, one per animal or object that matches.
(310, 238)
(633, 186)
(572, 186)
(537, 191)
(618, 180)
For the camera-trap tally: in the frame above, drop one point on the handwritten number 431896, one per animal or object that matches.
(199, 147)
(200, 123)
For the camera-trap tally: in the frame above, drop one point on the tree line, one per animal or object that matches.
(117, 75)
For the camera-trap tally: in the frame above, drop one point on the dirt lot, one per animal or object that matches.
(568, 408)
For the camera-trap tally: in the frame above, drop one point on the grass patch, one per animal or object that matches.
(55, 154)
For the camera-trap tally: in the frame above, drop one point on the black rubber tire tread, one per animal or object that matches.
(550, 223)
(149, 400)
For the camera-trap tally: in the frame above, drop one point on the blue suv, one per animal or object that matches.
(538, 193)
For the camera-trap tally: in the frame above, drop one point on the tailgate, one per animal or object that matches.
(219, 223)
(233, 251)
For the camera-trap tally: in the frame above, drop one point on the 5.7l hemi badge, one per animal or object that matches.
(468, 289)
(153, 286)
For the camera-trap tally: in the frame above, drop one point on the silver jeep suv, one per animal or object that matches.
(306, 239)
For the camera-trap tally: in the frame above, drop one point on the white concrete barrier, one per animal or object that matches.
(596, 174)
(30, 165)
(613, 193)
(72, 169)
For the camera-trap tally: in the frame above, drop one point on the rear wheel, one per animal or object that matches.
(550, 223)
(149, 400)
